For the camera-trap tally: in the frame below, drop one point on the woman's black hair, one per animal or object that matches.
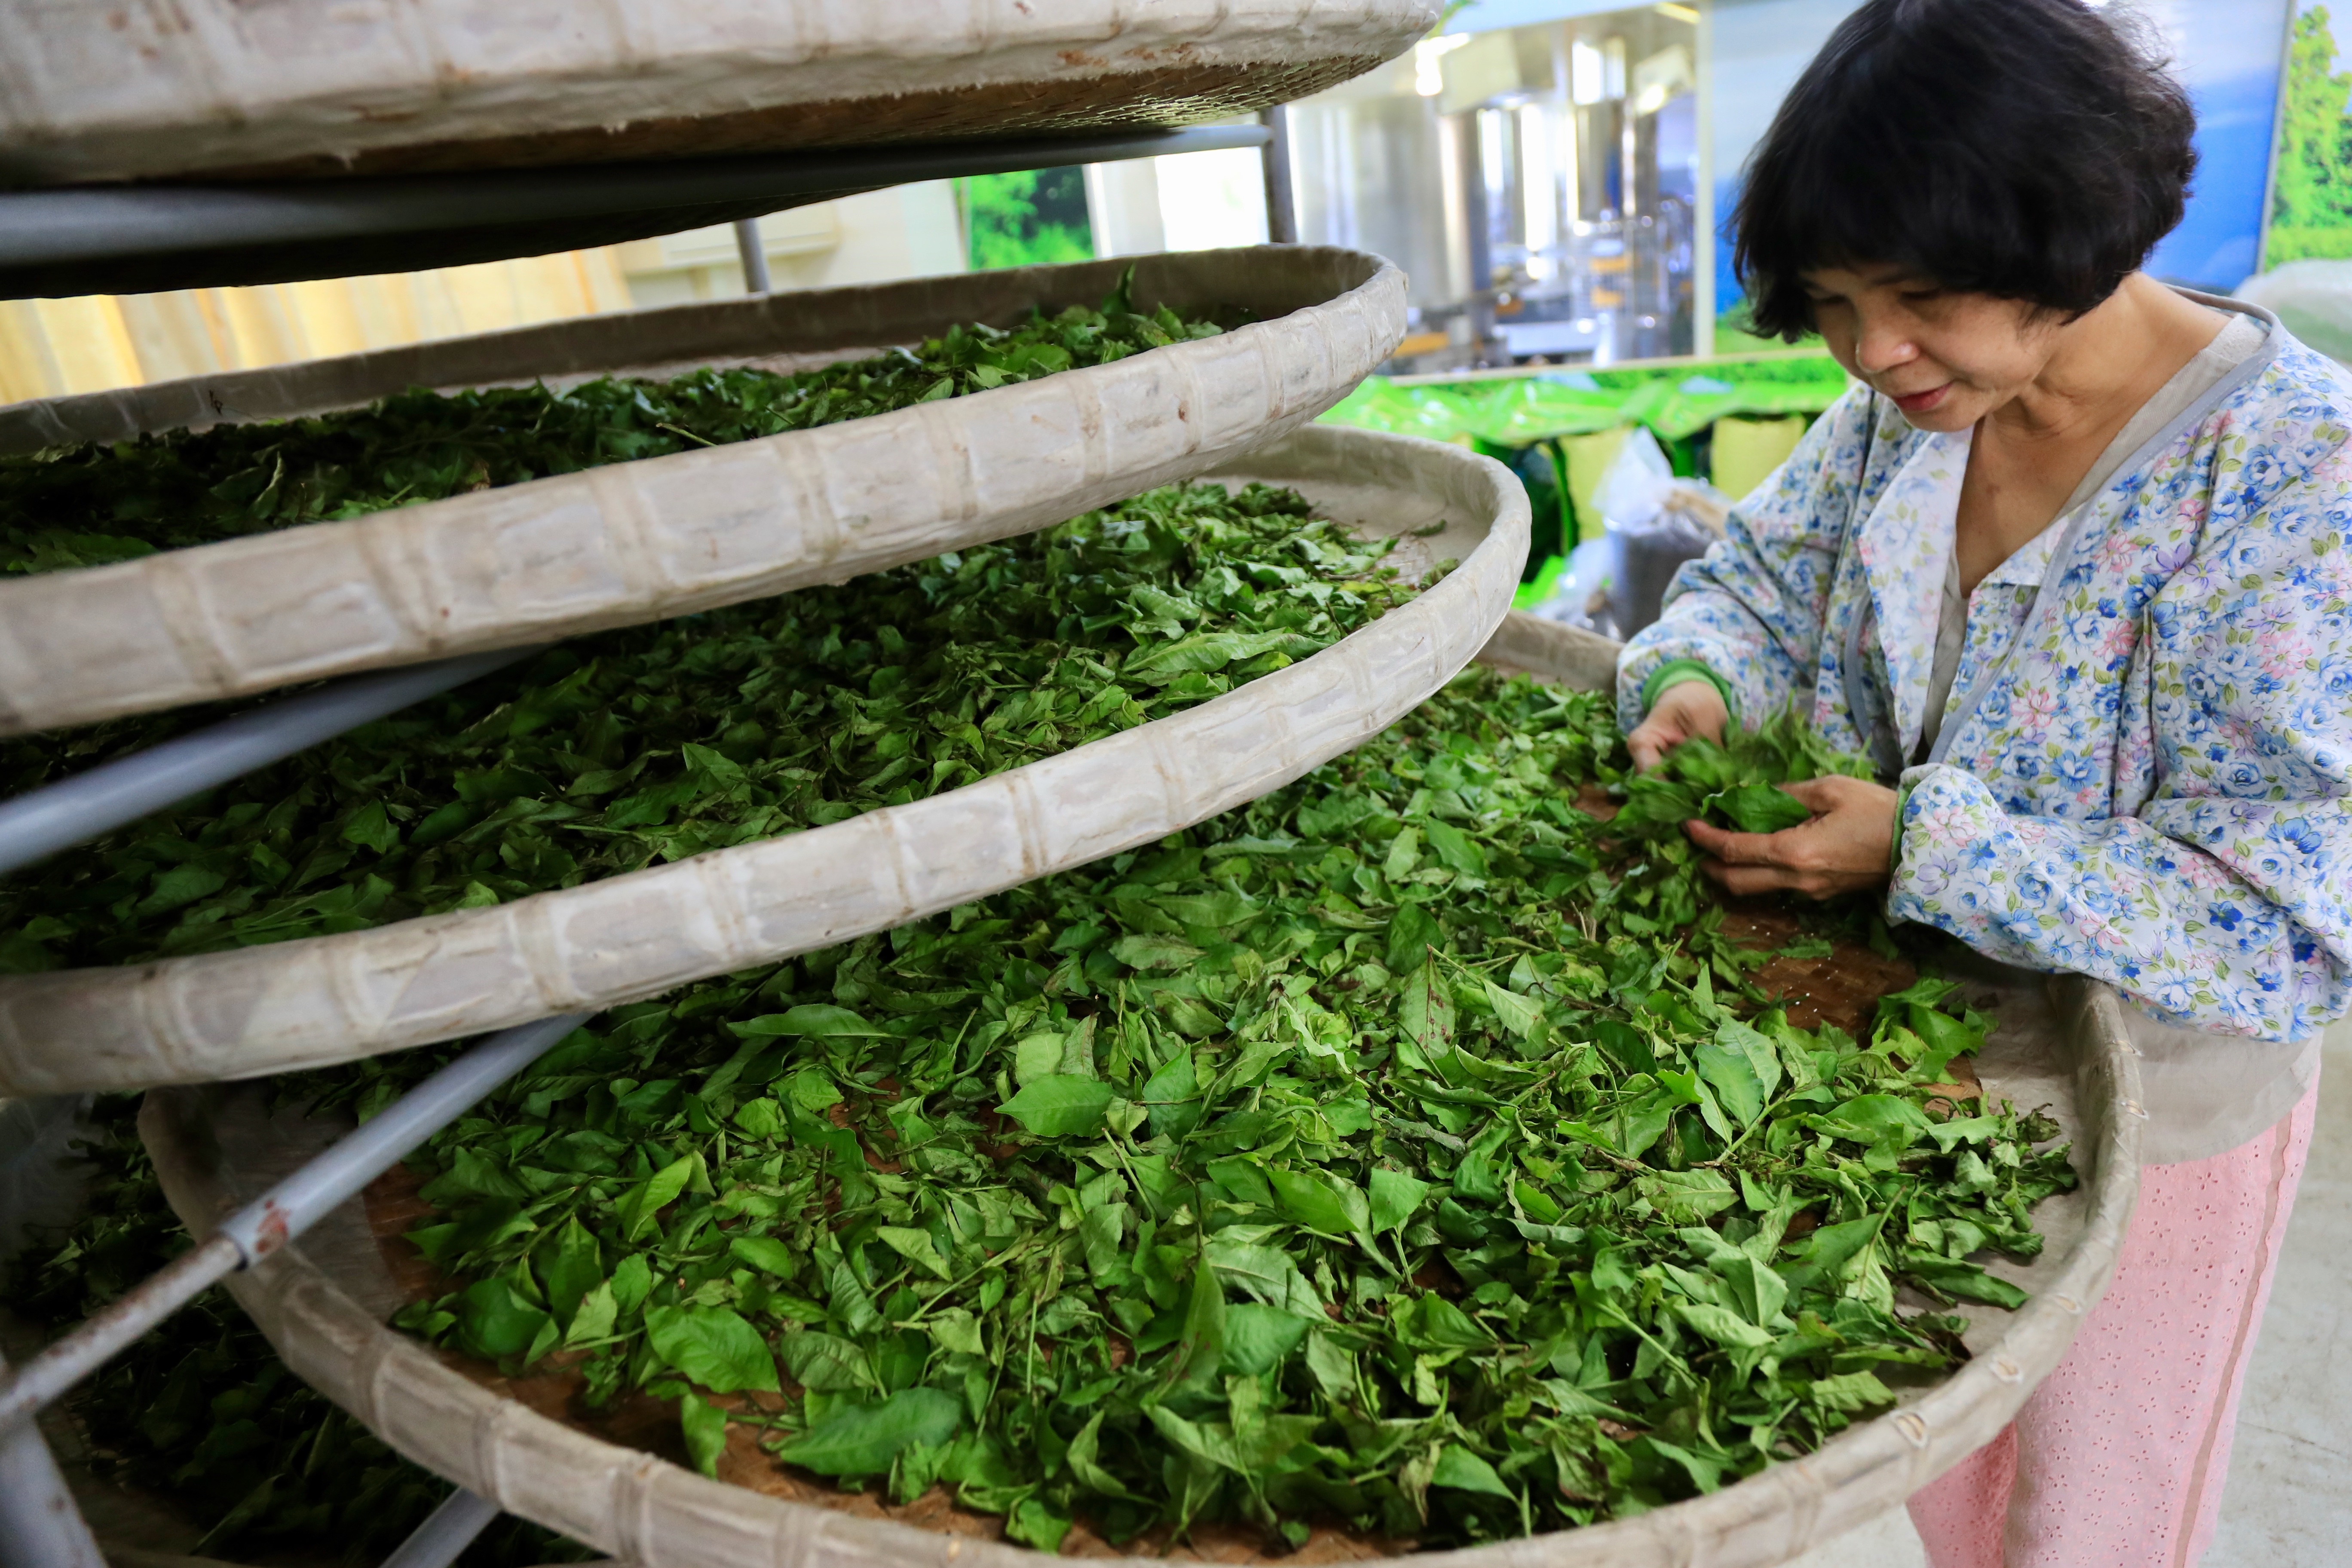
(2033, 150)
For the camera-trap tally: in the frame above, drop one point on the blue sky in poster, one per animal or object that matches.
(2230, 53)
(2227, 51)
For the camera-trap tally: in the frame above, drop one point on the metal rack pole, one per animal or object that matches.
(281, 1214)
(39, 823)
(754, 252)
(44, 1529)
(127, 239)
(452, 1528)
(1281, 200)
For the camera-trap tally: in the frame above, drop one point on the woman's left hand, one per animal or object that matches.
(1845, 848)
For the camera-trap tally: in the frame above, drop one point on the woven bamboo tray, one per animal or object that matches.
(663, 536)
(329, 88)
(324, 1303)
(304, 1003)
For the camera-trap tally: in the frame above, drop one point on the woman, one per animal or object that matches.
(2070, 562)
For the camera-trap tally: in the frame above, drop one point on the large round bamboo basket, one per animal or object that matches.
(324, 1302)
(322, 89)
(304, 1003)
(663, 536)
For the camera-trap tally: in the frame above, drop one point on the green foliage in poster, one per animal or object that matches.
(2311, 204)
(1027, 218)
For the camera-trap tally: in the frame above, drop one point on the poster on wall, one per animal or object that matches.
(2226, 52)
(2306, 262)
(2311, 191)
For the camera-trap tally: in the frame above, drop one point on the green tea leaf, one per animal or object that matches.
(767, 1255)
(1458, 1467)
(575, 1268)
(1962, 1282)
(713, 1346)
(496, 1321)
(705, 1427)
(1395, 1198)
(1258, 1337)
(1760, 808)
(641, 1207)
(862, 1439)
(595, 1316)
(824, 1362)
(1061, 1105)
(1722, 1325)
(1172, 1097)
(1733, 1078)
(915, 1246)
(817, 1019)
(1322, 1202)
(1513, 1011)
(1426, 1012)
(1151, 953)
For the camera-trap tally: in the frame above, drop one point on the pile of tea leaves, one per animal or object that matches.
(94, 503)
(1381, 1154)
(652, 744)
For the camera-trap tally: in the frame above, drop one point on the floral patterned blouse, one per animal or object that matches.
(2144, 765)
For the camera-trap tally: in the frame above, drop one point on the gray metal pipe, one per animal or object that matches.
(754, 253)
(435, 1543)
(281, 1214)
(40, 1527)
(1281, 200)
(96, 224)
(90, 804)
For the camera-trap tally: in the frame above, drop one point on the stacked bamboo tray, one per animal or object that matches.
(315, 92)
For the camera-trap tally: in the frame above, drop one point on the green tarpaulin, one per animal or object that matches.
(1531, 422)
(1674, 401)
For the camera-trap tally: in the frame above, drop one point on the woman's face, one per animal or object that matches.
(1948, 359)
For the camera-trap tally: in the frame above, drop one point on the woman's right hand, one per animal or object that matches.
(1686, 709)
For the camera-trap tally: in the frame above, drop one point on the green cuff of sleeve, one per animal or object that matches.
(1895, 845)
(1673, 672)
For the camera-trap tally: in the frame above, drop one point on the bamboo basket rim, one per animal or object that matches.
(310, 89)
(307, 1002)
(639, 541)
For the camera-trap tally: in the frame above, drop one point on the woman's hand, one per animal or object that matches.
(1844, 849)
(1685, 709)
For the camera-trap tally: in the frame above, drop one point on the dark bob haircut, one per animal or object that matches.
(2032, 150)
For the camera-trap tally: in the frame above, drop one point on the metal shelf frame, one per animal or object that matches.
(131, 239)
(81, 241)
(37, 824)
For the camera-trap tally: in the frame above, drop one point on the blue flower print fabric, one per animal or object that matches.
(2145, 764)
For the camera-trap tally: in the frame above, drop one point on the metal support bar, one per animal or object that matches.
(754, 252)
(453, 1527)
(1281, 202)
(88, 805)
(281, 1214)
(40, 1525)
(129, 239)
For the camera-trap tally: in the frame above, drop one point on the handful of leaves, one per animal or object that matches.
(92, 504)
(1347, 1158)
(1734, 784)
(655, 743)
